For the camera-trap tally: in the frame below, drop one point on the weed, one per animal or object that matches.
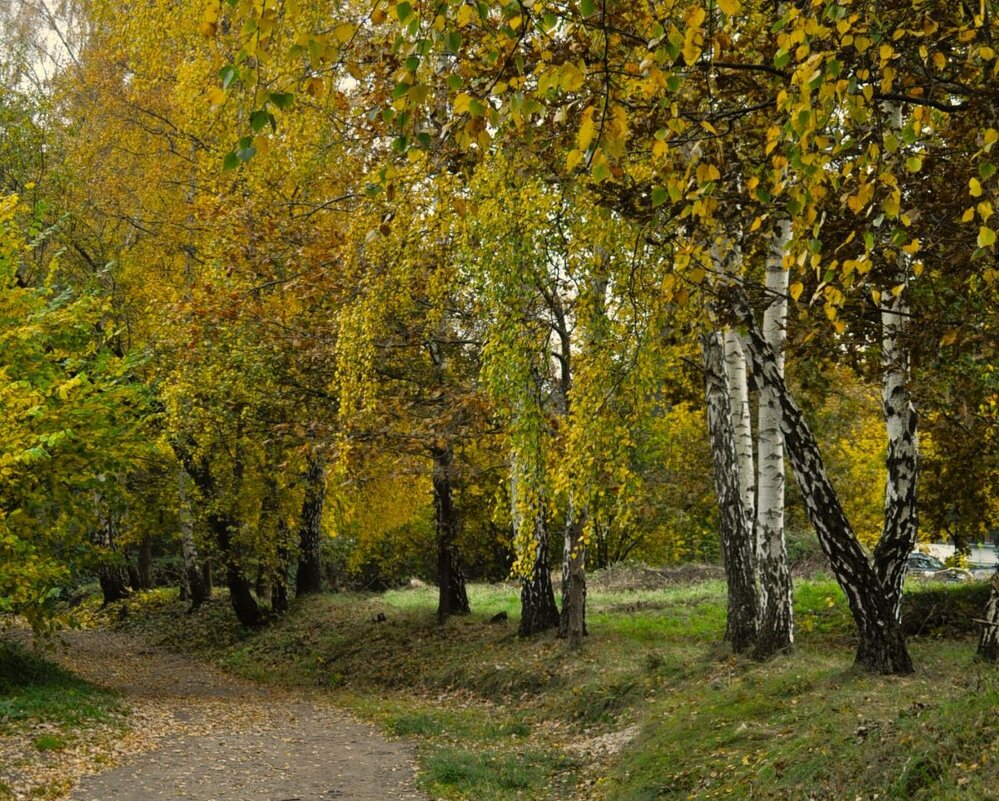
(50, 742)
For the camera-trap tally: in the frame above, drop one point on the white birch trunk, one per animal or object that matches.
(736, 538)
(776, 627)
(898, 536)
(737, 378)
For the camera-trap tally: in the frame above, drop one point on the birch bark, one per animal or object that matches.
(735, 535)
(899, 532)
(776, 624)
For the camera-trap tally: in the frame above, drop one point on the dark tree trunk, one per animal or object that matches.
(309, 578)
(279, 586)
(572, 621)
(221, 526)
(240, 594)
(112, 572)
(988, 644)
(736, 535)
(114, 582)
(452, 596)
(145, 563)
(261, 586)
(881, 647)
(538, 611)
(197, 587)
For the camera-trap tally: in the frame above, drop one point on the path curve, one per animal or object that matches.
(201, 734)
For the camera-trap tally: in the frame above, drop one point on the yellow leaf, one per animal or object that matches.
(572, 77)
(586, 129)
(795, 290)
(462, 103)
(207, 28)
(465, 14)
(974, 187)
(730, 7)
(986, 237)
(969, 214)
(344, 32)
(216, 96)
(573, 159)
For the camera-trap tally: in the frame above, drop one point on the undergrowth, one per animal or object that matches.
(653, 707)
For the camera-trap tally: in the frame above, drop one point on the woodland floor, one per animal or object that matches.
(198, 733)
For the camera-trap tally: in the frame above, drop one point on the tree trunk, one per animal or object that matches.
(881, 647)
(775, 632)
(240, 593)
(309, 578)
(145, 563)
(572, 620)
(279, 585)
(221, 525)
(261, 585)
(111, 572)
(538, 611)
(198, 589)
(988, 644)
(736, 537)
(898, 536)
(452, 597)
(742, 426)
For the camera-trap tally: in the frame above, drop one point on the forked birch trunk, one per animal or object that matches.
(776, 624)
(881, 647)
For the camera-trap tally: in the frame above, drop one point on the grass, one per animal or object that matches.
(48, 714)
(494, 716)
(34, 690)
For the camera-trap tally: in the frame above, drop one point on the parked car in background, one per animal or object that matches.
(925, 566)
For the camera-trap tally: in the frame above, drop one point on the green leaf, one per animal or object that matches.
(986, 170)
(282, 100)
(659, 196)
(246, 151)
(455, 82)
(229, 75)
(403, 11)
(230, 161)
(587, 8)
(453, 42)
(259, 120)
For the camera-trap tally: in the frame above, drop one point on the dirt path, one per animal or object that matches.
(203, 735)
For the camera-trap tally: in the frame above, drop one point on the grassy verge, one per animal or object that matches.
(655, 707)
(46, 715)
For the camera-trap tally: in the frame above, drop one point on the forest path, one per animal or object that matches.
(201, 734)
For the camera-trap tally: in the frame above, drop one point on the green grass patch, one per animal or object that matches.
(33, 689)
(50, 742)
